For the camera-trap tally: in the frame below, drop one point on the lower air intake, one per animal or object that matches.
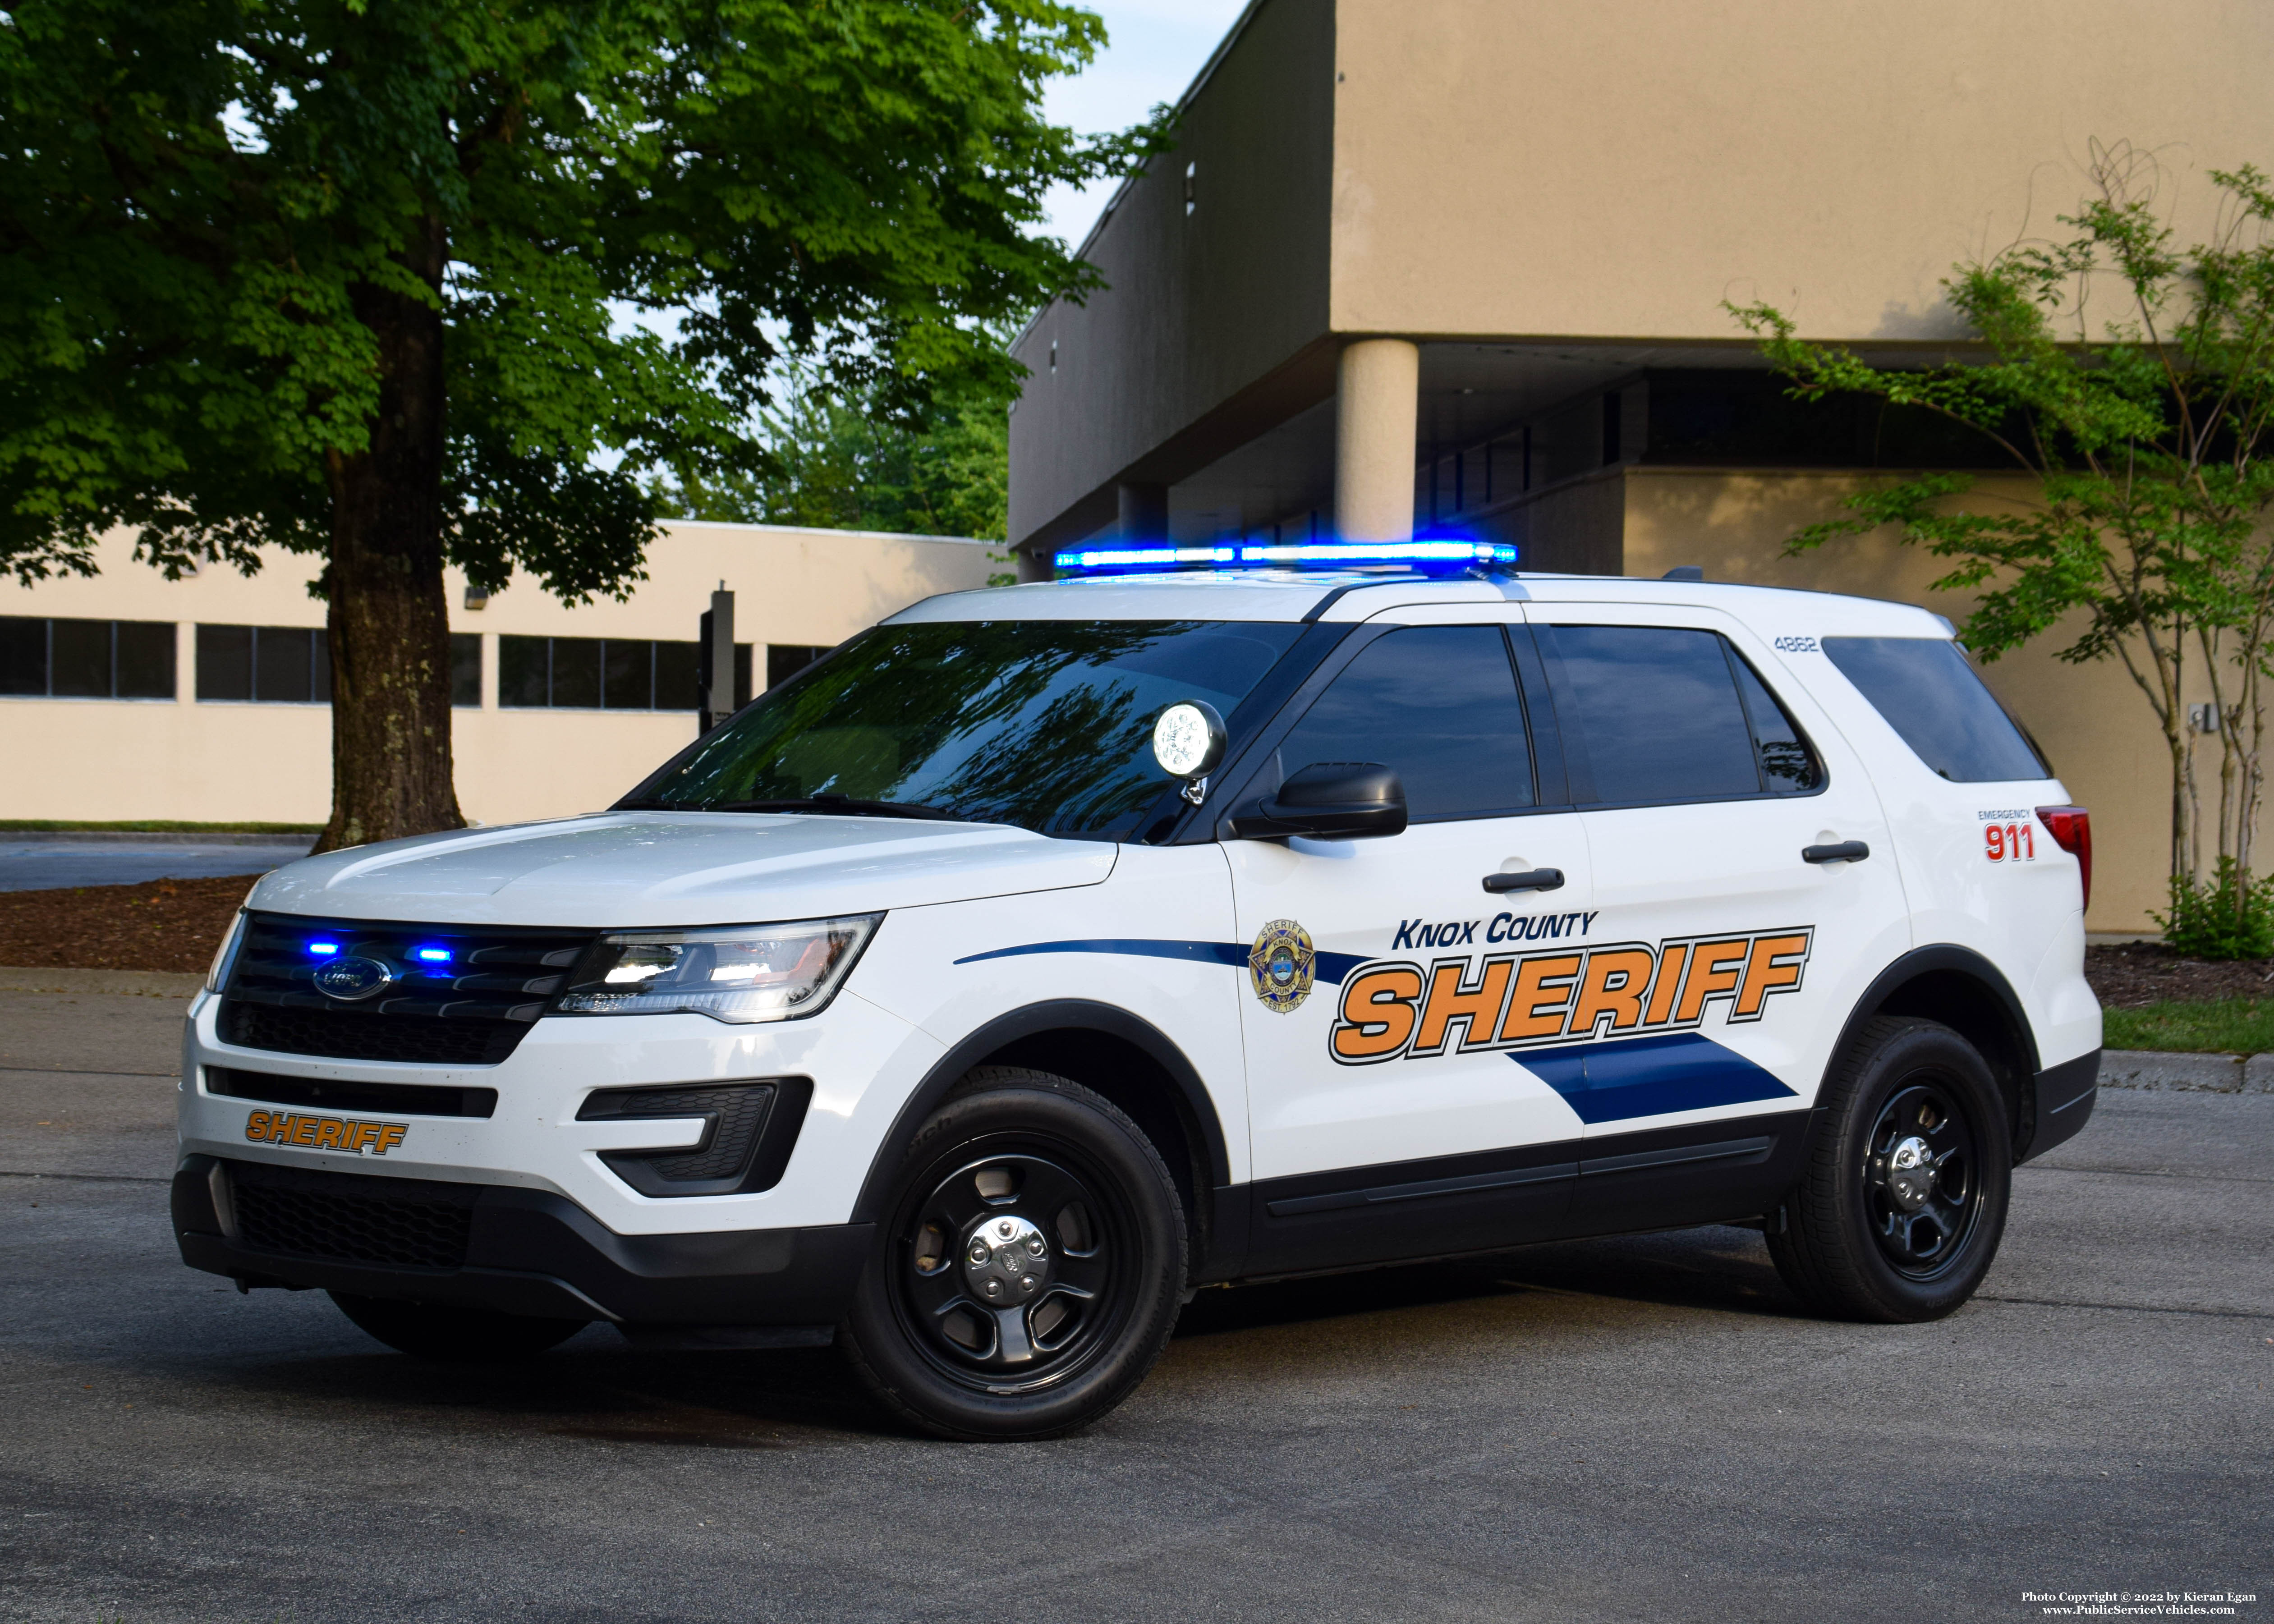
(351, 1217)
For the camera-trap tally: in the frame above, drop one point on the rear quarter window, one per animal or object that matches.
(1655, 714)
(1931, 697)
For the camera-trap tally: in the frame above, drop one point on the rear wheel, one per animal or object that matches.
(1900, 1211)
(1031, 1268)
(454, 1335)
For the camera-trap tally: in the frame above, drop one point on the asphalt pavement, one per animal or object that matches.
(55, 865)
(1646, 1428)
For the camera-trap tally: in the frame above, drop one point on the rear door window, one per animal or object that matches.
(1666, 713)
(1931, 697)
(1438, 704)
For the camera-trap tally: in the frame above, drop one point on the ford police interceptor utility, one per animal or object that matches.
(1046, 952)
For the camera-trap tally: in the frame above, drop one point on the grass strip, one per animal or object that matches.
(2215, 1026)
(155, 826)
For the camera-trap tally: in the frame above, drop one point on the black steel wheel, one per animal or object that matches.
(1920, 1186)
(1900, 1213)
(1031, 1269)
(452, 1334)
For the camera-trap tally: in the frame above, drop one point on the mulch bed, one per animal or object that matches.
(2136, 975)
(176, 925)
(157, 925)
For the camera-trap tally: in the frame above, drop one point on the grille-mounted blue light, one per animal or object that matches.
(1434, 552)
(323, 950)
(431, 955)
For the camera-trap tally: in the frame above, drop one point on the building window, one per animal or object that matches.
(466, 669)
(607, 673)
(87, 660)
(264, 665)
(784, 660)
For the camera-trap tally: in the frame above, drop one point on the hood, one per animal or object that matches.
(619, 870)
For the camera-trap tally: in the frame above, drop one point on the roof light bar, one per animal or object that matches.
(1144, 558)
(1440, 552)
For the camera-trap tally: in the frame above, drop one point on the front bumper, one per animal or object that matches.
(509, 1248)
(862, 1064)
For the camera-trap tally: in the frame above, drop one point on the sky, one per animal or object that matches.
(1154, 48)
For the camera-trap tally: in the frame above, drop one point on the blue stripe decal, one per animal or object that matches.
(1649, 1076)
(1195, 952)
(1329, 968)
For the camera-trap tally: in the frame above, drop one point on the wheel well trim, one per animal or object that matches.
(1032, 1020)
(1944, 956)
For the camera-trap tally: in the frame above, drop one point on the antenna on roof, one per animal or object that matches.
(1684, 572)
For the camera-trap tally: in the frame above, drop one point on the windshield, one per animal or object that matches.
(1044, 724)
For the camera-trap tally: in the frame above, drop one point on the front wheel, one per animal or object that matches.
(1031, 1267)
(1900, 1210)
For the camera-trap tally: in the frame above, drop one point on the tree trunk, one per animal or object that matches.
(389, 620)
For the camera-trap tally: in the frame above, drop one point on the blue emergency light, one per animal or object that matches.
(432, 955)
(323, 950)
(1094, 560)
(1426, 553)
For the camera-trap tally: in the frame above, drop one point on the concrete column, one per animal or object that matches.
(1144, 513)
(1377, 405)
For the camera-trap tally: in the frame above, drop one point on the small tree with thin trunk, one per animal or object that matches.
(2145, 433)
(410, 283)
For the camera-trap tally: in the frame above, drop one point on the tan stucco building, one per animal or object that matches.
(124, 695)
(1463, 263)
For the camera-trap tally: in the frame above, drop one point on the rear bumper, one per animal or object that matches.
(2065, 1095)
(531, 1252)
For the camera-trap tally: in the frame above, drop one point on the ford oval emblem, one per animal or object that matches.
(354, 976)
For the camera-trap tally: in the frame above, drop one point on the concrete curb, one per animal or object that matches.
(2156, 1070)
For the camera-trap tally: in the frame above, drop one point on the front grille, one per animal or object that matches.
(750, 1129)
(355, 1036)
(399, 1099)
(351, 1217)
(472, 1009)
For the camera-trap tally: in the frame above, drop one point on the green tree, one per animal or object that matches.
(840, 460)
(2147, 438)
(407, 282)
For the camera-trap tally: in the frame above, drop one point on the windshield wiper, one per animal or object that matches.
(844, 806)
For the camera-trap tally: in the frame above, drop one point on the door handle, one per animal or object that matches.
(1847, 851)
(1531, 879)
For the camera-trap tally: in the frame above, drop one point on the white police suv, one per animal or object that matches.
(1046, 952)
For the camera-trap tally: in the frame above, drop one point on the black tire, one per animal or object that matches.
(1900, 1213)
(454, 1335)
(1088, 1268)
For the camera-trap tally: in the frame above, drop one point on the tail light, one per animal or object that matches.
(2071, 828)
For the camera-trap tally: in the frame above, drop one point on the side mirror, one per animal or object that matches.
(1330, 800)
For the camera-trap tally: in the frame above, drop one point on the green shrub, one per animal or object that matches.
(2229, 916)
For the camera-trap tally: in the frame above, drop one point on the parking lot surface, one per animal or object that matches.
(1640, 1428)
(55, 865)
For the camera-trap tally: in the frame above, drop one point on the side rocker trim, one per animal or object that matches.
(1052, 1015)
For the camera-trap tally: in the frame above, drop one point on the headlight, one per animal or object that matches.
(737, 972)
(225, 955)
